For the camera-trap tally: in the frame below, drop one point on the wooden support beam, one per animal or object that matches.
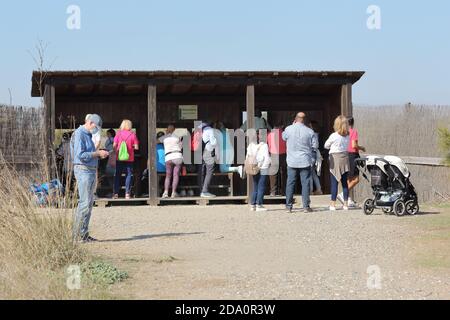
(50, 126)
(153, 174)
(346, 100)
(52, 115)
(250, 125)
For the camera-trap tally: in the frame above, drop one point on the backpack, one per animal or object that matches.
(123, 150)
(251, 164)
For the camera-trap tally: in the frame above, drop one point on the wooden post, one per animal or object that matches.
(250, 125)
(49, 122)
(346, 100)
(153, 174)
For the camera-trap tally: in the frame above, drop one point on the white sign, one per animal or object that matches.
(188, 112)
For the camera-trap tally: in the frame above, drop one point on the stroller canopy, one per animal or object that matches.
(392, 160)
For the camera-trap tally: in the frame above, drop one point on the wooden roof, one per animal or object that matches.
(192, 82)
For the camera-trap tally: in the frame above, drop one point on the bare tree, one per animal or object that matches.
(38, 54)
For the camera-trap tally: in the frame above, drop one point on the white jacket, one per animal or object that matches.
(262, 154)
(337, 143)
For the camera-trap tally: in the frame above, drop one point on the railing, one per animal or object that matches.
(424, 161)
(421, 161)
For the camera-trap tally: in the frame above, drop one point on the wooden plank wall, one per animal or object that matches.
(227, 109)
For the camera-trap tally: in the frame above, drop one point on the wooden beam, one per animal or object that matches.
(341, 80)
(52, 114)
(153, 174)
(346, 100)
(49, 132)
(250, 125)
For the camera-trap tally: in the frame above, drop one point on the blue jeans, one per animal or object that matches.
(122, 166)
(259, 189)
(315, 180)
(334, 186)
(86, 187)
(305, 177)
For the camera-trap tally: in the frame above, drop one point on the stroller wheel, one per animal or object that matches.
(399, 208)
(412, 207)
(387, 210)
(368, 206)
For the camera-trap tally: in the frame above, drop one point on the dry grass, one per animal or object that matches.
(36, 247)
(35, 243)
(433, 241)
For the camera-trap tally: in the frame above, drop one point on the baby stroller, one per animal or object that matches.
(392, 190)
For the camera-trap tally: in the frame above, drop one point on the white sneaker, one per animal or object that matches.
(345, 208)
(165, 195)
(252, 208)
(332, 208)
(351, 203)
(176, 195)
(260, 209)
(242, 173)
(340, 197)
(207, 195)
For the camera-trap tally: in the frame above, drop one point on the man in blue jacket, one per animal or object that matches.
(85, 162)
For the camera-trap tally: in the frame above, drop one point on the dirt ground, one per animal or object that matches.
(229, 252)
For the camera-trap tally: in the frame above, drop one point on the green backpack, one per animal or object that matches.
(123, 151)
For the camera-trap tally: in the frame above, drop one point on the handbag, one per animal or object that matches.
(251, 164)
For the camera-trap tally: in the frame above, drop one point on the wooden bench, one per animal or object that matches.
(229, 186)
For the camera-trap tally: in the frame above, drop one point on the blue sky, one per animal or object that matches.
(407, 60)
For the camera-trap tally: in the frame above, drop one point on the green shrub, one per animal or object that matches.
(102, 273)
(444, 142)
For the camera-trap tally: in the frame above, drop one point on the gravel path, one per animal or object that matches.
(228, 252)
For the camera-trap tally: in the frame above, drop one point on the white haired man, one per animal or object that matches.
(85, 162)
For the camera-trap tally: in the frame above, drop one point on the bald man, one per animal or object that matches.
(301, 146)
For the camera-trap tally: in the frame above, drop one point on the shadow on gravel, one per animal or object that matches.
(150, 236)
(422, 213)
